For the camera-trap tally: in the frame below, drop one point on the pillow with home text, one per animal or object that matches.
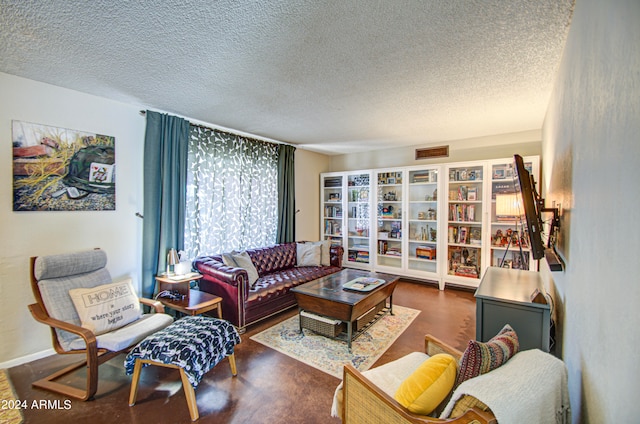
(108, 307)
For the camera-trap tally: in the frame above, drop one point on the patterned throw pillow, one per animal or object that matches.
(480, 358)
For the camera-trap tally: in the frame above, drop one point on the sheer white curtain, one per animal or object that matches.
(232, 193)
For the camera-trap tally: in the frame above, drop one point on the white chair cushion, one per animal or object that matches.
(128, 335)
(387, 377)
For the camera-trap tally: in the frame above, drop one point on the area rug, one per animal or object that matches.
(10, 412)
(330, 355)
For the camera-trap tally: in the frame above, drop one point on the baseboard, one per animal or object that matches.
(27, 358)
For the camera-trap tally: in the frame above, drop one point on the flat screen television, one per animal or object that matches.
(532, 213)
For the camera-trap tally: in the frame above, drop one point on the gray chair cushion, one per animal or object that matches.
(68, 264)
(57, 274)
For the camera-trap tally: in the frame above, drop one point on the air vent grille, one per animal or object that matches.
(432, 152)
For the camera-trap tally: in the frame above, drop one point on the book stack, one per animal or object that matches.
(421, 177)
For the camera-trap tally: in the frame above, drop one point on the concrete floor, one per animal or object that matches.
(270, 387)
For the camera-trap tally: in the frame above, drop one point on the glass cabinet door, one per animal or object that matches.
(332, 210)
(359, 220)
(389, 218)
(422, 219)
(509, 242)
(464, 230)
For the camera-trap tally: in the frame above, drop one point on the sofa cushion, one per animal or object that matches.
(107, 307)
(308, 254)
(480, 358)
(244, 261)
(428, 385)
(228, 260)
(325, 251)
(279, 283)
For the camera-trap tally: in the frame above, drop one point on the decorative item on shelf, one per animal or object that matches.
(475, 236)
(426, 252)
(431, 214)
(432, 233)
(183, 267)
(472, 194)
(498, 239)
(387, 212)
(172, 260)
(390, 196)
(508, 207)
(422, 215)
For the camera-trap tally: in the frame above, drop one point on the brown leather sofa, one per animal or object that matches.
(276, 265)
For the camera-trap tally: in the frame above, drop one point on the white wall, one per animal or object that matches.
(525, 143)
(308, 167)
(591, 150)
(26, 234)
(118, 232)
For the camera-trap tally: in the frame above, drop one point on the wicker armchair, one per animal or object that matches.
(365, 403)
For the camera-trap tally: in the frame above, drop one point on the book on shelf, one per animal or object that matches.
(463, 234)
(462, 192)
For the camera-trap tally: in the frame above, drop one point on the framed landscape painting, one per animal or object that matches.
(58, 169)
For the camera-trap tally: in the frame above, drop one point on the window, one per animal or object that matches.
(232, 194)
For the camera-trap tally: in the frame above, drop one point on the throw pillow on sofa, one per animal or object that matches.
(480, 358)
(308, 254)
(241, 260)
(325, 251)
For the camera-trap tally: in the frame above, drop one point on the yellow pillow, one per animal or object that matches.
(429, 384)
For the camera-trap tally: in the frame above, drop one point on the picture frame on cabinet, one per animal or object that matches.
(391, 180)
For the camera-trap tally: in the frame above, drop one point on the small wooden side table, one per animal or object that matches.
(195, 302)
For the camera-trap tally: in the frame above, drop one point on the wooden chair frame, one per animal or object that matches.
(364, 402)
(94, 355)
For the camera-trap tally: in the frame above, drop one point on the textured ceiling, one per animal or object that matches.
(335, 76)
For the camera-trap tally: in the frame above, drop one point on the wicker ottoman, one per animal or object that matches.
(193, 345)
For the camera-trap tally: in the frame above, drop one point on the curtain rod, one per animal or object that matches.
(144, 113)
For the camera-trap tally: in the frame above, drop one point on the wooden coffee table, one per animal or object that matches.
(326, 297)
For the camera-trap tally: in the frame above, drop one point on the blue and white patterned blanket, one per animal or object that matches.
(194, 343)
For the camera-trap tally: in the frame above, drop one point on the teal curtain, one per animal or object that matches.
(286, 194)
(165, 175)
